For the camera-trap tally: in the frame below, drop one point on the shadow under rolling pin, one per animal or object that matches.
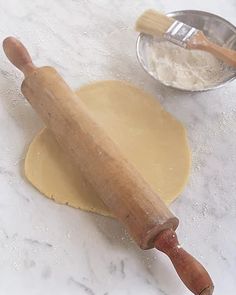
(118, 183)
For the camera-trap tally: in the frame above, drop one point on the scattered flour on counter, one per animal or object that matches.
(185, 69)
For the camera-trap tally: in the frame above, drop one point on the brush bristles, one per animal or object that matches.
(153, 23)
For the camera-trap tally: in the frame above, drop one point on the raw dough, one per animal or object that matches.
(153, 140)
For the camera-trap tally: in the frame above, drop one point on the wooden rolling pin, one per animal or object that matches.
(120, 186)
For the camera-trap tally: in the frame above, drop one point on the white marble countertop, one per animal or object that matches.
(52, 249)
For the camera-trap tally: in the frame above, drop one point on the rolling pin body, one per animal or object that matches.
(129, 197)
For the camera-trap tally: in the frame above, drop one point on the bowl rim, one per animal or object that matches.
(204, 13)
(174, 13)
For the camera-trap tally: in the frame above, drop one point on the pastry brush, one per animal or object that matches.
(157, 24)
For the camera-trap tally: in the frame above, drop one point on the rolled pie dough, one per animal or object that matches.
(149, 137)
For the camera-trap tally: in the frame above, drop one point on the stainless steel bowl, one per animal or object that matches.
(215, 27)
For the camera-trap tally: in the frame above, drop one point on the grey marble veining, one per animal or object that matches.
(52, 249)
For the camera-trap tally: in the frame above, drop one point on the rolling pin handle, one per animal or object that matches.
(18, 55)
(191, 272)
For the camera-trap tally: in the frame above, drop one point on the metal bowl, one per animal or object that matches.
(215, 27)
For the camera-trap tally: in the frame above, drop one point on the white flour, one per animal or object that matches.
(186, 69)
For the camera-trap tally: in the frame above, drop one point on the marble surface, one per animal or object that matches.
(52, 249)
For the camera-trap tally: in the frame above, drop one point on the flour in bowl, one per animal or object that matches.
(185, 69)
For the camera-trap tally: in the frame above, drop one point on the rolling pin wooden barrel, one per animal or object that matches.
(124, 191)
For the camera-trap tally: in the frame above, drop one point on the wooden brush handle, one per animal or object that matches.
(191, 272)
(200, 41)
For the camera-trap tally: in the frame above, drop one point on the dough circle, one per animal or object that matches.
(149, 137)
